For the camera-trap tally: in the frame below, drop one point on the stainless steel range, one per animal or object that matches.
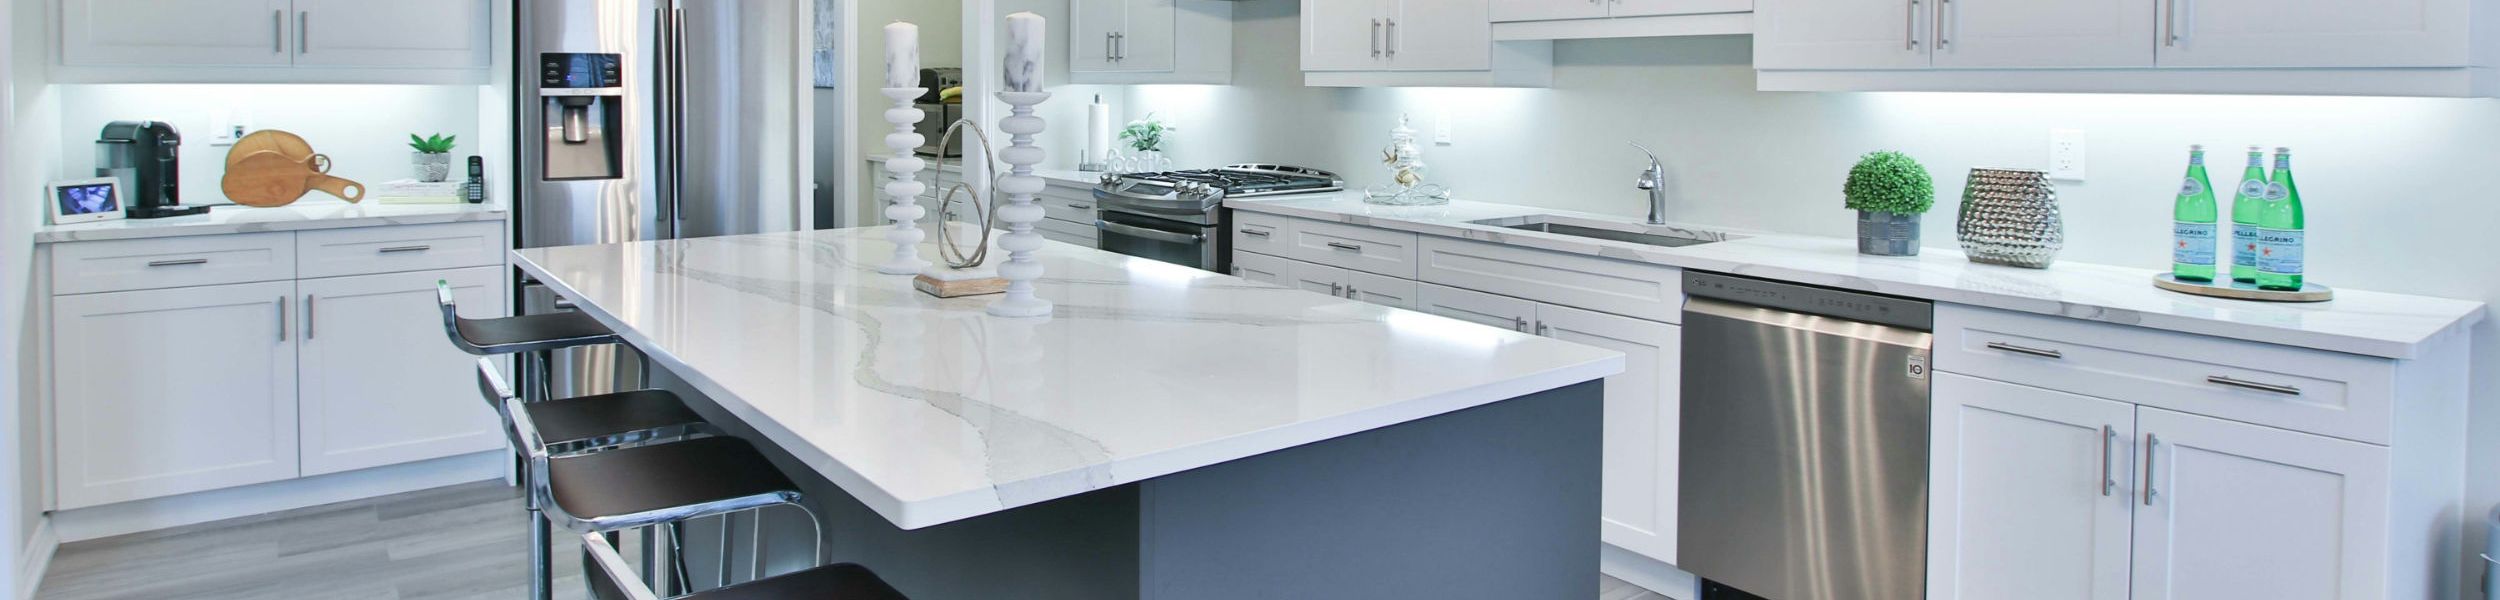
(1178, 216)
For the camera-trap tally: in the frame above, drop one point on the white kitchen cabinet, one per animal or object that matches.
(1439, 35)
(375, 375)
(1652, 8)
(444, 34)
(1321, 279)
(1382, 290)
(1343, 35)
(1516, 20)
(1505, 11)
(255, 33)
(1263, 268)
(172, 391)
(1093, 31)
(2317, 33)
(1477, 307)
(2043, 33)
(1359, 43)
(1640, 463)
(1150, 41)
(2029, 494)
(2232, 510)
(1842, 34)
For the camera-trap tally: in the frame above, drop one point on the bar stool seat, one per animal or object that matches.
(844, 581)
(612, 419)
(649, 485)
(529, 332)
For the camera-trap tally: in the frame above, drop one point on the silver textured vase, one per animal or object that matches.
(2009, 217)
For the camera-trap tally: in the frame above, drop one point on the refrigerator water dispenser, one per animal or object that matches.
(583, 95)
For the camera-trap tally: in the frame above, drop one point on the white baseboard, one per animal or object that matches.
(217, 505)
(1648, 573)
(36, 557)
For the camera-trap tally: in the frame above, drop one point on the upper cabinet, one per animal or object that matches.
(1582, 19)
(1150, 41)
(1350, 43)
(2395, 47)
(274, 41)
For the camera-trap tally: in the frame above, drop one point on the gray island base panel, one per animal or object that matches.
(1497, 501)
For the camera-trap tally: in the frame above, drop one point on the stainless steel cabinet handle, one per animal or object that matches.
(2025, 350)
(1375, 38)
(2252, 385)
(2109, 436)
(177, 262)
(1909, 28)
(303, 32)
(1519, 324)
(1108, 52)
(1120, 44)
(282, 318)
(1081, 206)
(1353, 294)
(1391, 43)
(277, 31)
(2151, 442)
(1542, 328)
(1141, 232)
(1258, 233)
(399, 249)
(309, 299)
(1336, 289)
(2186, 28)
(1346, 247)
(1944, 11)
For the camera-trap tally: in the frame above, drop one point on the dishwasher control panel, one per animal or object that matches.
(1842, 304)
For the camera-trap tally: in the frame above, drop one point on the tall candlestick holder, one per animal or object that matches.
(903, 188)
(1020, 213)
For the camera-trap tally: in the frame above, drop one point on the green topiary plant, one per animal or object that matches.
(1146, 135)
(438, 144)
(1889, 182)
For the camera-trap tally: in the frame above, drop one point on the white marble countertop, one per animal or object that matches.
(2356, 322)
(930, 411)
(292, 217)
(1058, 177)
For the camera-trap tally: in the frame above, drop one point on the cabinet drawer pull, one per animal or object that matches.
(177, 262)
(1346, 247)
(1336, 289)
(1375, 38)
(1519, 324)
(282, 318)
(1081, 206)
(2025, 350)
(1542, 329)
(399, 249)
(277, 32)
(2252, 385)
(2109, 435)
(308, 315)
(2151, 443)
(1257, 233)
(1909, 28)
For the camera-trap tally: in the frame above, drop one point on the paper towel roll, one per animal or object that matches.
(1097, 131)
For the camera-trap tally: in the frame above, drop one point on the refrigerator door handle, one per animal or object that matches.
(660, 74)
(677, 124)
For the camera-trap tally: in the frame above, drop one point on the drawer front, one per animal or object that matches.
(1385, 291)
(1069, 232)
(1477, 307)
(143, 264)
(1263, 268)
(1380, 251)
(1059, 204)
(367, 250)
(1641, 291)
(2325, 393)
(1261, 232)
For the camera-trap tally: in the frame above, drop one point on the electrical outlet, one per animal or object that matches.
(2066, 154)
(224, 128)
(1441, 129)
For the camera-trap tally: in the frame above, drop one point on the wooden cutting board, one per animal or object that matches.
(279, 141)
(268, 178)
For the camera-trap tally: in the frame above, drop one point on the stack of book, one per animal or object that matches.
(410, 191)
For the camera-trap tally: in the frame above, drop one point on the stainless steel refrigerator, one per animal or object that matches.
(637, 121)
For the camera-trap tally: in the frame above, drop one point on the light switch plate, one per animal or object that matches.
(2066, 154)
(1441, 129)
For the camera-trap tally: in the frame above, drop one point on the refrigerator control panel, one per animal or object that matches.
(579, 70)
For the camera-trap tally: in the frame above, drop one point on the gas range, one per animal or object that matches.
(1182, 194)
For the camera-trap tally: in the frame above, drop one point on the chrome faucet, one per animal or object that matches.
(1655, 181)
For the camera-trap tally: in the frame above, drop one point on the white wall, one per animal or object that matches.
(364, 128)
(2399, 189)
(14, 247)
(28, 163)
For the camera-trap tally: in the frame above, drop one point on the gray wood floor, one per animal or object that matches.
(465, 541)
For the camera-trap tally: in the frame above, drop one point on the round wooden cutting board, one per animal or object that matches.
(279, 141)
(268, 178)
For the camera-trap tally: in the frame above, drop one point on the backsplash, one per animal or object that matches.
(363, 128)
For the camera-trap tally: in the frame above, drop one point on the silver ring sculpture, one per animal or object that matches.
(955, 256)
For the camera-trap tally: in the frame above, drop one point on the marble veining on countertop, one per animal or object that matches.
(929, 411)
(1059, 177)
(2356, 322)
(293, 217)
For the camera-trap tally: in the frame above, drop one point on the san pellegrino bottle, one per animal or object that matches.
(2192, 223)
(2282, 230)
(2244, 208)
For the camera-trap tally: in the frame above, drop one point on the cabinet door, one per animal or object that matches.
(1649, 8)
(176, 32)
(1318, 278)
(1343, 35)
(445, 34)
(1476, 307)
(1440, 35)
(1842, 34)
(1146, 43)
(2043, 33)
(2233, 510)
(2027, 496)
(1382, 290)
(1638, 504)
(380, 384)
(1263, 268)
(1092, 27)
(164, 392)
(2315, 33)
(1506, 11)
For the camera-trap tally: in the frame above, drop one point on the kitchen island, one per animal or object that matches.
(1169, 433)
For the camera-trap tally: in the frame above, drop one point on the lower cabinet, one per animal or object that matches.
(2040, 494)
(373, 383)
(174, 391)
(1343, 283)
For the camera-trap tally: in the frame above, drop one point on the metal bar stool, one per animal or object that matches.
(620, 488)
(611, 579)
(534, 337)
(585, 424)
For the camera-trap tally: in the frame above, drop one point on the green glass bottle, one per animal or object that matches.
(2192, 224)
(2282, 230)
(2244, 207)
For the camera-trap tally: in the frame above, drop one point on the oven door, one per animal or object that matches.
(1166, 240)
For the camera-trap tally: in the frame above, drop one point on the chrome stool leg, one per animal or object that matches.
(541, 571)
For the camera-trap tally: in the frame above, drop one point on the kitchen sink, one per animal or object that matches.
(1651, 235)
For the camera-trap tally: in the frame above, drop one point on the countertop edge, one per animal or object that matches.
(54, 234)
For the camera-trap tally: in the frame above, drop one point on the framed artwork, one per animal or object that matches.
(84, 200)
(828, 35)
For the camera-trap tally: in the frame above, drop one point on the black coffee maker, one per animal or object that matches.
(143, 155)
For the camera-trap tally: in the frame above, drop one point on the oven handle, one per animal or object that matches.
(1151, 234)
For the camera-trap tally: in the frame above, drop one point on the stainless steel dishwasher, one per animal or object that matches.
(1804, 439)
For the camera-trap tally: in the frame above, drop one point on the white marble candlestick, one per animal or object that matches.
(903, 188)
(1020, 213)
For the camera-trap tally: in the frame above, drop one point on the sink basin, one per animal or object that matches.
(1652, 235)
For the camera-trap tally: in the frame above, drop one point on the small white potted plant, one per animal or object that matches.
(432, 161)
(1890, 191)
(1146, 136)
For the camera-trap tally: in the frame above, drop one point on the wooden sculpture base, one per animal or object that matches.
(950, 283)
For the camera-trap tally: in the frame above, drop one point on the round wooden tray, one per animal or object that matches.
(2309, 292)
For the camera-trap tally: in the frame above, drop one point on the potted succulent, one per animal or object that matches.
(1889, 190)
(433, 158)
